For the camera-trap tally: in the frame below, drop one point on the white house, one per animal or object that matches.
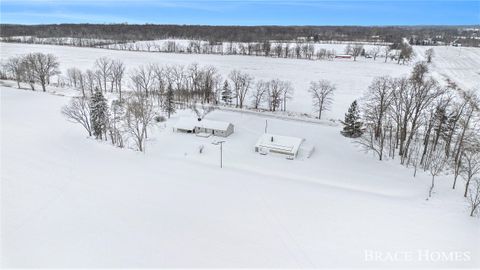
(284, 145)
(205, 126)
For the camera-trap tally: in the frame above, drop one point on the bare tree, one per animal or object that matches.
(377, 103)
(375, 51)
(274, 94)
(437, 165)
(28, 72)
(386, 51)
(139, 115)
(470, 165)
(209, 79)
(72, 75)
(15, 66)
(356, 51)
(369, 143)
(287, 93)
(82, 82)
(143, 78)
(90, 81)
(201, 110)
(474, 196)
(241, 83)
(406, 53)
(379, 98)
(322, 95)
(278, 48)
(78, 111)
(429, 54)
(44, 66)
(347, 49)
(115, 128)
(424, 92)
(104, 69)
(259, 93)
(471, 105)
(286, 50)
(118, 71)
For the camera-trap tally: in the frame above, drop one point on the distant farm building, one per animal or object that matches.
(283, 145)
(204, 127)
(344, 56)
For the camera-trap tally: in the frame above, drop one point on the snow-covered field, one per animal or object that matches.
(182, 44)
(351, 78)
(69, 201)
(461, 65)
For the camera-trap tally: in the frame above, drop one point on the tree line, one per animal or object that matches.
(32, 68)
(424, 125)
(147, 92)
(175, 85)
(132, 32)
(295, 50)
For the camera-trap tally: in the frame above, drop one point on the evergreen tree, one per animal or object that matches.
(352, 126)
(226, 93)
(169, 102)
(99, 114)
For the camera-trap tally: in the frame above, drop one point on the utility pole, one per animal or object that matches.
(221, 151)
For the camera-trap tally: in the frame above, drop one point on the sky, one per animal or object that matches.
(246, 12)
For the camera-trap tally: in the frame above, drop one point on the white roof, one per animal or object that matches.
(186, 123)
(282, 143)
(191, 123)
(212, 124)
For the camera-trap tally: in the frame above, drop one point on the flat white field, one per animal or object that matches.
(351, 78)
(70, 201)
(460, 64)
(183, 44)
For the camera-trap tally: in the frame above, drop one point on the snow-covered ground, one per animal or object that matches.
(460, 64)
(71, 201)
(351, 78)
(182, 44)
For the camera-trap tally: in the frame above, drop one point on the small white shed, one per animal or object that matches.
(284, 145)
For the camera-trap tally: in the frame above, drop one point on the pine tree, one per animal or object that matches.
(352, 124)
(169, 102)
(99, 114)
(226, 93)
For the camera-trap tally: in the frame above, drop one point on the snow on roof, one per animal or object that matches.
(186, 123)
(212, 124)
(281, 143)
(191, 123)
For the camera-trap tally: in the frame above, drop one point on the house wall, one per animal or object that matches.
(185, 130)
(275, 151)
(230, 130)
(216, 132)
